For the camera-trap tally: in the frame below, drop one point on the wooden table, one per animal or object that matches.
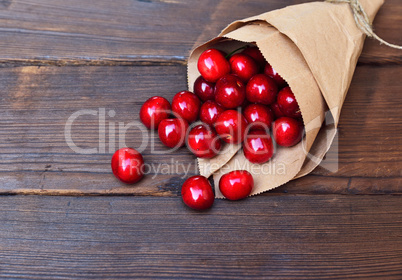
(64, 215)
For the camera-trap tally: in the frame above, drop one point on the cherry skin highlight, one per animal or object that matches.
(186, 105)
(287, 132)
(288, 104)
(204, 89)
(236, 185)
(259, 117)
(230, 91)
(270, 72)
(128, 165)
(243, 66)
(197, 193)
(203, 142)
(210, 112)
(261, 89)
(258, 147)
(153, 111)
(255, 53)
(172, 132)
(213, 65)
(231, 126)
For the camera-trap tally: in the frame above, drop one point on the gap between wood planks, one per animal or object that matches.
(148, 61)
(134, 61)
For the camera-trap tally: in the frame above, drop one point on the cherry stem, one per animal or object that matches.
(229, 55)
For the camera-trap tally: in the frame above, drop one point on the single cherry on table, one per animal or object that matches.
(210, 112)
(259, 117)
(203, 142)
(186, 105)
(287, 131)
(236, 184)
(197, 193)
(258, 146)
(154, 110)
(213, 65)
(172, 132)
(261, 89)
(243, 66)
(230, 91)
(128, 165)
(231, 126)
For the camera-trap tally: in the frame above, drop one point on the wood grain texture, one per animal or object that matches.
(36, 103)
(276, 237)
(122, 32)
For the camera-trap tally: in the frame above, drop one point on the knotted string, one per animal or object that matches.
(363, 21)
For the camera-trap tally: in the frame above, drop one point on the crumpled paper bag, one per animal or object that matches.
(315, 48)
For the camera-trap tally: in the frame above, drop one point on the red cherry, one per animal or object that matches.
(187, 105)
(259, 117)
(269, 71)
(236, 185)
(231, 126)
(261, 89)
(288, 104)
(203, 89)
(203, 142)
(197, 193)
(276, 110)
(153, 111)
(287, 132)
(128, 165)
(172, 132)
(230, 91)
(243, 66)
(255, 53)
(258, 147)
(210, 111)
(213, 65)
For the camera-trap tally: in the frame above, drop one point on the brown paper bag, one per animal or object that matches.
(315, 47)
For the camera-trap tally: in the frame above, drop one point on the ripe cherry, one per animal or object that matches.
(287, 132)
(210, 112)
(172, 132)
(230, 91)
(258, 147)
(186, 105)
(203, 142)
(256, 54)
(259, 117)
(128, 165)
(269, 71)
(197, 193)
(204, 89)
(231, 126)
(288, 104)
(261, 89)
(276, 110)
(213, 65)
(236, 185)
(243, 66)
(153, 111)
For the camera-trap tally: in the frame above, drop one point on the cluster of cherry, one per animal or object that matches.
(239, 98)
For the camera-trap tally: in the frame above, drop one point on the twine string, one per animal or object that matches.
(363, 21)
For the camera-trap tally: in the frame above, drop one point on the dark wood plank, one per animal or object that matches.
(37, 102)
(275, 237)
(128, 32)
